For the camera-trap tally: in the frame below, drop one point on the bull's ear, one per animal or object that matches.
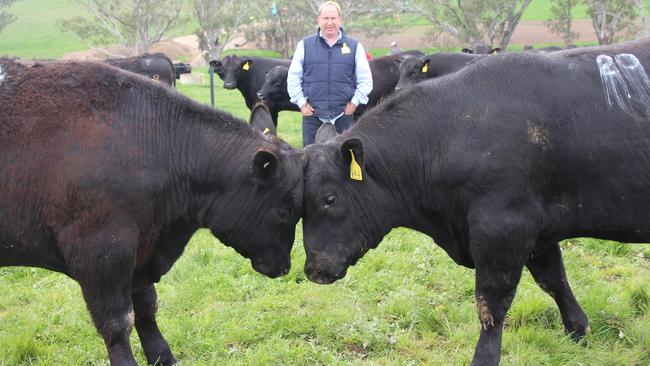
(352, 154)
(246, 64)
(261, 120)
(467, 50)
(265, 165)
(217, 65)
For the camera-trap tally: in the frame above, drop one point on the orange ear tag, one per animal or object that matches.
(246, 66)
(355, 169)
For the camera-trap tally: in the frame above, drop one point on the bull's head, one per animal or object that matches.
(412, 71)
(231, 69)
(275, 84)
(343, 217)
(258, 200)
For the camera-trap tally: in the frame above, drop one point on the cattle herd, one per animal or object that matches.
(107, 174)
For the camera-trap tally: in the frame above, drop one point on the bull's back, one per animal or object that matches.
(59, 141)
(574, 128)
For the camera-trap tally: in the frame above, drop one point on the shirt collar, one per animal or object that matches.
(320, 34)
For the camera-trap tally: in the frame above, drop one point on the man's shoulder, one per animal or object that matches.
(309, 37)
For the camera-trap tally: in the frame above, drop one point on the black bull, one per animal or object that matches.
(155, 66)
(106, 176)
(497, 163)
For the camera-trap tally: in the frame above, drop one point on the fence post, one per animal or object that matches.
(211, 86)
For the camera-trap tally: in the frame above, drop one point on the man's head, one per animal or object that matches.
(330, 18)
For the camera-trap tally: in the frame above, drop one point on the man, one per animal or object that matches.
(329, 75)
(394, 48)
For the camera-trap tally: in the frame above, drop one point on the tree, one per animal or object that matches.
(136, 24)
(283, 23)
(220, 21)
(475, 22)
(560, 20)
(6, 18)
(609, 17)
(643, 7)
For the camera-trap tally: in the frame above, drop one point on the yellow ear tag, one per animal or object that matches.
(425, 68)
(345, 49)
(355, 169)
(266, 131)
(246, 66)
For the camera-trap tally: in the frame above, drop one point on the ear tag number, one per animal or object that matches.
(425, 67)
(246, 66)
(355, 169)
(266, 131)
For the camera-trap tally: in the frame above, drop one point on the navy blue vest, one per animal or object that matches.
(329, 80)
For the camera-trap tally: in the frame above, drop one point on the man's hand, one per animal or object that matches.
(307, 110)
(349, 108)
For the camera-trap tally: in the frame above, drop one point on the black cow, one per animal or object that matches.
(548, 49)
(181, 68)
(481, 50)
(385, 74)
(247, 74)
(106, 176)
(156, 66)
(495, 171)
(415, 70)
(274, 91)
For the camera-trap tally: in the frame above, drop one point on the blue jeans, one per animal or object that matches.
(310, 125)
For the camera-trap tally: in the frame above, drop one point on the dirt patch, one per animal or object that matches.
(529, 32)
(186, 48)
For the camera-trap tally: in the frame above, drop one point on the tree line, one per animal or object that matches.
(280, 24)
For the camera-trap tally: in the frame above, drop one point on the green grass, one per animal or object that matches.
(405, 303)
(541, 10)
(34, 34)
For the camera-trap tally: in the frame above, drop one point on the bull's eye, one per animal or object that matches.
(330, 200)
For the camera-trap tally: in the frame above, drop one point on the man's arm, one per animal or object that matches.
(364, 77)
(294, 77)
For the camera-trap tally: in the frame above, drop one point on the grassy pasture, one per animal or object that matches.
(405, 303)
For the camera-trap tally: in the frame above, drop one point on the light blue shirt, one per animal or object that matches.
(362, 72)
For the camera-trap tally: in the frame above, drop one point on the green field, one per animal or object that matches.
(405, 303)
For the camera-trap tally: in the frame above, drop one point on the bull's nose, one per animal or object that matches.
(323, 277)
(398, 88)
(260, 95)
(228, 86)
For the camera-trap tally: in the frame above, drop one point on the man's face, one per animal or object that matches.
(329, 21)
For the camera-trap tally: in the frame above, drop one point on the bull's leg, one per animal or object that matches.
(501, 245)
(548, 270)
(102, 260)
(495, 289)
(145, 305)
